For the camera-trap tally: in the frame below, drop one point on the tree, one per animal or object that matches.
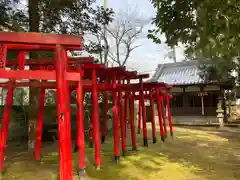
(124, 32)
(208, 29)
(58, 16)
(11, 17)
(115, 43)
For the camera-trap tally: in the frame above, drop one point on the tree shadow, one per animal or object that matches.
(230, 133)
(189, 154)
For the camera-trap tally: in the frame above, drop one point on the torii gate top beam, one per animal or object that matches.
(87, 63)
(40, 39)
(88, 85)
(51, 62)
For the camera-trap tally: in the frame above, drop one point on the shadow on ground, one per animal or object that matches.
(189, 155)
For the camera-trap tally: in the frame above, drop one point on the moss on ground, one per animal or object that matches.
(190, 155)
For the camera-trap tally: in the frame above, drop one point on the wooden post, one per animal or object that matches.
(144, 122)
(169, 111)
(164, 117)
(116, 124)
(123, 127)
(163, 114)
(162, 133)
(90, 135)
(39, 125)
(5, 126)
(21, 60)
(139, 116)
(64, 148)
(78, 116)
(68, 114)
(152, 116)
(6, 112)
(126, 111)
(105, 117)
(122, 120)
(96, 133)
(80, 130)
(133, 135)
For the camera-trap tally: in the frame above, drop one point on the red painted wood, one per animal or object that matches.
(37, 74)
(104, 72)
(64, 148)
(39, 125)
(105, 117)
(48, 61)
(87, 87)
(144, 118)
(38, 47)
(92, 66)
(139, 116)
(132, 124)
(152, 116)
(122, 123)
(80, 127)
(64, 61)
(91, 125)
(65, 69)
(126, 87)
(87, 65)
(147, 96)
(160, 117)
(6, 112)
(126, 110)
(163, 117)
(169, 111)
(96, 134)
(123, 127)
(21, 60)
(5, 126)
(40, 38)
(91, 131)
(3, 55)
(116, 122)
(137, 76)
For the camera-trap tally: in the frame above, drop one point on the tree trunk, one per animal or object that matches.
(34, 92)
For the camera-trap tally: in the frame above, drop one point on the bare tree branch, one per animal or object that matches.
(118, 41)
(100, 52)
(114, 59)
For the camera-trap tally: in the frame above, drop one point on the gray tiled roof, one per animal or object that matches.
(179, 73)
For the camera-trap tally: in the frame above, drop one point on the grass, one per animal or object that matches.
(189, 155)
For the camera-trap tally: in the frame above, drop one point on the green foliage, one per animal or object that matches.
(50, 97)
(53, 16)
(11, 17)
(56, 16)
(72, 17)
(218, 71)
(208, 29)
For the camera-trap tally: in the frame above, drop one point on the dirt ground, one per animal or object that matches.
(192, 154)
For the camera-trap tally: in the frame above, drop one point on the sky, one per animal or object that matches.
(145, 58)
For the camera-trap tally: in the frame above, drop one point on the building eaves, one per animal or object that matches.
(179, 73)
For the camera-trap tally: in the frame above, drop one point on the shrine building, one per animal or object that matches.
(192, 95)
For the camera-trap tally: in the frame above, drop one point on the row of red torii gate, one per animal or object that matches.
(66, 74)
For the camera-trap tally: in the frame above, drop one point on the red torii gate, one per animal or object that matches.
(68, 73)
(58, 44)
(159, 97)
